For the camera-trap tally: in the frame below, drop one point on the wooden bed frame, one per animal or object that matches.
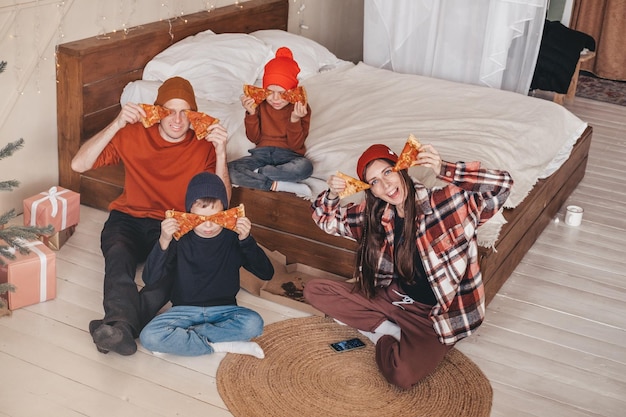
(93, 72)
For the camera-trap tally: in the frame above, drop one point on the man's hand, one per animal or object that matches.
(130, 113)
(218, 136)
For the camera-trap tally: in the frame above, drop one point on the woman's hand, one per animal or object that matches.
(429, 157)
(335, 186)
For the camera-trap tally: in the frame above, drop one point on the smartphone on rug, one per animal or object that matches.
(345, 345)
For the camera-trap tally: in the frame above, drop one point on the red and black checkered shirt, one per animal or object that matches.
(446, 240)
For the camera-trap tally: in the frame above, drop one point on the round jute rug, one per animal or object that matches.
(301, 376)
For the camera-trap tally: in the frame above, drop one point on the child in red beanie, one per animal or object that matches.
(279, 129)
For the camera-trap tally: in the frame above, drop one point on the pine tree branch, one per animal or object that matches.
(9, 185)
(11, 147)
(4, 218)
(16, 237)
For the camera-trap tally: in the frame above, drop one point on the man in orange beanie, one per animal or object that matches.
(159, 161)
(279, 129)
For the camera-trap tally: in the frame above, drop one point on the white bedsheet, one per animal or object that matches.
(354, 106)
(362, 105)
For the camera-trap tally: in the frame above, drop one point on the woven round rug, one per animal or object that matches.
(302, 376)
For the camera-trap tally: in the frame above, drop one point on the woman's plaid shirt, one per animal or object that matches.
(446, 240)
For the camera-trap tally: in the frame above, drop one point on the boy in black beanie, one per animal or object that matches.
(204, 265)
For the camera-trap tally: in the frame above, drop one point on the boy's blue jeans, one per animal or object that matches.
(187, 330)
(272, 164)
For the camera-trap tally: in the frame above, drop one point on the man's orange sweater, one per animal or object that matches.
(156, 171)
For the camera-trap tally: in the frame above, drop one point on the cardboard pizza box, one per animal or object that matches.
(286, 286)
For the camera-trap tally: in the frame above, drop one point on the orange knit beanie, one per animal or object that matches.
(282, 70)
(176, 87)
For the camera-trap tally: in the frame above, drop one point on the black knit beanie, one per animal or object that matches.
(205, 185)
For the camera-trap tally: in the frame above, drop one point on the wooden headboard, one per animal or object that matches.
(92, 73)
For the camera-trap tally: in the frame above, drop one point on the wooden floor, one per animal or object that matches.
(553, 344)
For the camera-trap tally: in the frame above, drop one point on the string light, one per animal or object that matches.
(17, 63)
(301, 24)
(36, 44)
(102, 34)
(60, 37)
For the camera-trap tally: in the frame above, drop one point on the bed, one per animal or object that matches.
(543, 145)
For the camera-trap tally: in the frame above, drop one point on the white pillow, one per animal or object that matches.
(216, 65)
(140, 91)
(310, 55)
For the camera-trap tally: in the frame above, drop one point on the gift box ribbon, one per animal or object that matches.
(54, 196)
(43, 267)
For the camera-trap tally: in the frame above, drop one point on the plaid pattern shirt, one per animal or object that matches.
(445, 238)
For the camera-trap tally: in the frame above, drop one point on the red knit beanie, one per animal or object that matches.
(176, 87)
(282, 70)
(377, 151)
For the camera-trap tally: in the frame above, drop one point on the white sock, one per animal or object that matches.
(386, 327)
(244, 348)
(293, 187)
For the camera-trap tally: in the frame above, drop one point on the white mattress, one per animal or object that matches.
(354, 106)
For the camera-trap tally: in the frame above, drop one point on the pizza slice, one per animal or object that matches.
(295, 95)
(186, 221)
(154, 114)
(408, 156)
(201, 122)
(257, 93)
(353, 185)
(228, 218)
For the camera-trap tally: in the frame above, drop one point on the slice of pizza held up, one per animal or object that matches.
(295, 95)
(353, 185)
(408, 156)
(154, 114)
(228, 218)
(259, 94)
(188, 221)
(201, 122)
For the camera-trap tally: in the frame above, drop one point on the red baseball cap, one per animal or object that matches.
(377, 151)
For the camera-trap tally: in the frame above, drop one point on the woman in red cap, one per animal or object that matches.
(278, 129)
(417, 287)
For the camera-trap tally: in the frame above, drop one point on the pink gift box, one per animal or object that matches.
(33, 275)
(58, 206)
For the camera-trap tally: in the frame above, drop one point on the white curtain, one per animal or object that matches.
(494, 43)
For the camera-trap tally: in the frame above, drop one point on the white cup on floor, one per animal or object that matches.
(573, 215)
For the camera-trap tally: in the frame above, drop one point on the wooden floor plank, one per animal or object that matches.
(553, 342)
(516, 367)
